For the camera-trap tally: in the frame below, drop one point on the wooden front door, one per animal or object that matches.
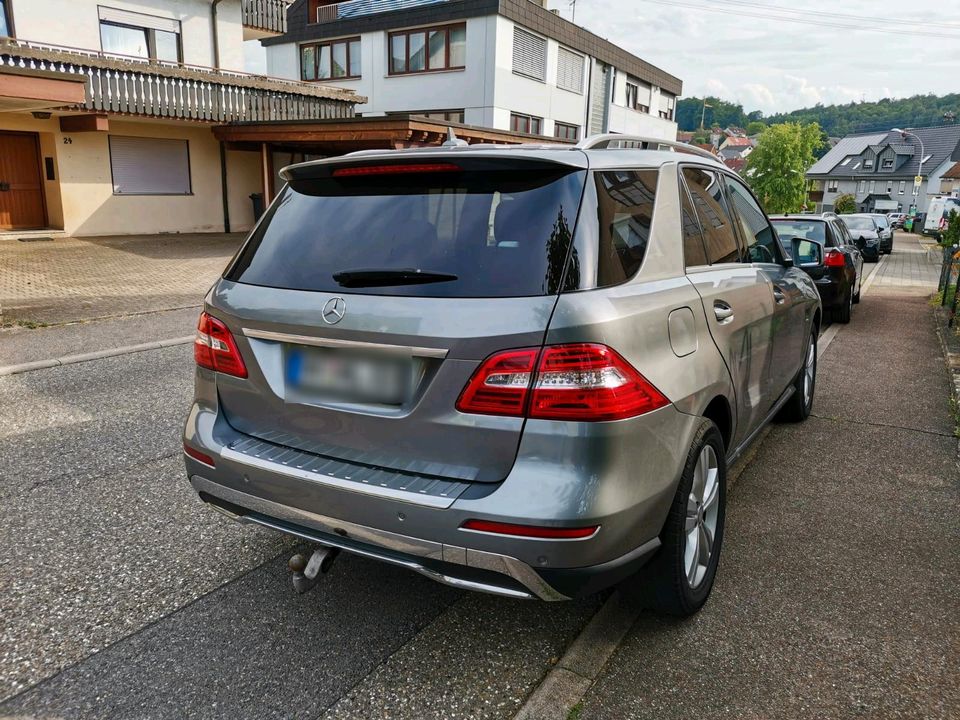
(21, 185)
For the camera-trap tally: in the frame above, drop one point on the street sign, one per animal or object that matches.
(918, 181)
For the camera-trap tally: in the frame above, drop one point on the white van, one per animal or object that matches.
(940, 209)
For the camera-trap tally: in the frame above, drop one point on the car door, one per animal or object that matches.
(788, 324)
(737, 299)
(845, 243)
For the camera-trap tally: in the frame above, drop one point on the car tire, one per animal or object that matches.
(679, 579)
(842, 313)
(856, 295)
(800, 404)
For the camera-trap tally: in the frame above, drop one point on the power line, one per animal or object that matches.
(804, 21)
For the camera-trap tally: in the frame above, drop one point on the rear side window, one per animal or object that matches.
(706, 190)
(476, 232)
(694, 252)
(625, 201)
(758, 236)
(801, 229)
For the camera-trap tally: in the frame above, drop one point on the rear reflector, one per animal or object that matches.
(579, 382)
(215, 348)
(533, 531)
(395, 169)
(834, 258)
(199, 456)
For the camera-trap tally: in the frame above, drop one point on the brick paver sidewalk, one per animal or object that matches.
(81, 279)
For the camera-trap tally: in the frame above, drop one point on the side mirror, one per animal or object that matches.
(807, 253)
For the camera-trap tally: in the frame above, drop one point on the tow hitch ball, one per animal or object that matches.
(306, 573)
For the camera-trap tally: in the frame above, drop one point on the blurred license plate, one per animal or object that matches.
(346, 376)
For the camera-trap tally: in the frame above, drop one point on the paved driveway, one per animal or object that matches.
(80, 279)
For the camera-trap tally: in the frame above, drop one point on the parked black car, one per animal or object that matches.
(837, 269)
(865, 231)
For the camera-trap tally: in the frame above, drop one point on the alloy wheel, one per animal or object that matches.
(701, 518)
(809, 373)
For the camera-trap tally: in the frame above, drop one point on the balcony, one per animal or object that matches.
(358, 8)
(147, 88)
(264, 18)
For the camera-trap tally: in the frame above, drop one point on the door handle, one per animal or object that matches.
(778, 295)
(723, 311)
(4, 186)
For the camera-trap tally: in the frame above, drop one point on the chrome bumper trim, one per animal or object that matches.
(351, 344)
(417, 547)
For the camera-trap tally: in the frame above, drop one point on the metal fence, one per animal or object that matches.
(949, 279)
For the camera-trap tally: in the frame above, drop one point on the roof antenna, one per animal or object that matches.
(453, 140)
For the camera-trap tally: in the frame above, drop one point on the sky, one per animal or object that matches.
(774, 65)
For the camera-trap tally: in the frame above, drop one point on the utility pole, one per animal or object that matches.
(703, 114)
(573, 7)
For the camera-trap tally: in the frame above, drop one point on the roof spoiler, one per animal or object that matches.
(616, 141)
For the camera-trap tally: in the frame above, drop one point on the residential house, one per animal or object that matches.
(508, 65)
(878, 169)
(950, 181)
(736, 147)
(107, 109)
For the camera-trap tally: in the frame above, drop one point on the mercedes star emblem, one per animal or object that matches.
(334, 310)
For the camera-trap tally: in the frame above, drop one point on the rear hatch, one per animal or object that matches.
(370, 293)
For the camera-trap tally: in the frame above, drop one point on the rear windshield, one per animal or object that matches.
(804, 230)
(478, 233)
(859, 223)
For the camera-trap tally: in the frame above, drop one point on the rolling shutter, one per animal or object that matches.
(529, 54)
(570, 71)
(149, 166)
(135, 19)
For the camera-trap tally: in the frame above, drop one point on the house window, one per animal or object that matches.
(428, 50)
(633, 93)
(566, 132)
(137, 35)
(889, 186)
(529, 55)
(643, 108)
(867, 163)
(887, 164)
(832, 185)
(916, 190)
(149, 166)
(6, 27)
(863, 187)
(570, 71)
(873, 186)
(526, 124)
(903, 186)
(445, 115)
(335, 60)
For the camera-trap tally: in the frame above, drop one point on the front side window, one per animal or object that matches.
(566, 132)
(625, 200)
(428, 50)
(489, 231)
(706, 190)
(526, 124)
(755, 230)
(335, 60)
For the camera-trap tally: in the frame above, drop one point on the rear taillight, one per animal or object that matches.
(215, 348)
(531, 531)
(834, 258)
(580, 382)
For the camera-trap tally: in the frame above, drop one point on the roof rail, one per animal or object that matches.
(608, 141)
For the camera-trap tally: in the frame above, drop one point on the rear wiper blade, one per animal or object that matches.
(388, 277)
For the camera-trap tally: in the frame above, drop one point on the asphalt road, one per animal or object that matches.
(122, 596)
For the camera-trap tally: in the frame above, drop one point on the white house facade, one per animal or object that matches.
(503, 64)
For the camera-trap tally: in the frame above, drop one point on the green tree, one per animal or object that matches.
(755, 127)
(777, 166)
(845, 204)
(951, 236)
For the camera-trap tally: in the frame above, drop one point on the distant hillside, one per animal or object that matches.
(836, 120)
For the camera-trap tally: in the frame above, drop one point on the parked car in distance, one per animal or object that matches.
(897, 220)
(866, 234)
(886, 232)
(434, 358)
(837, 270)
(938, 215)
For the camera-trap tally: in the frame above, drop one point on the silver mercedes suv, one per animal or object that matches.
(522, 370)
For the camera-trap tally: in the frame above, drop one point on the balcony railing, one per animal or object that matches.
(358, 8)
(266, 15)
(134, 86)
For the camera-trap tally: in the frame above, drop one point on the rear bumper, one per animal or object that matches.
(871, 252)
(622, 481)
(831, 291)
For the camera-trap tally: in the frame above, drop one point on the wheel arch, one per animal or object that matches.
(719, 411)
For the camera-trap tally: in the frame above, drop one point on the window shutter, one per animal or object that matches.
(570, 71)
(149, 166)
(529, 54)
(125, 17)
